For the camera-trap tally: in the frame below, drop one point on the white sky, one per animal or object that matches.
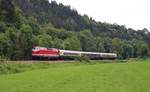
(132, 13)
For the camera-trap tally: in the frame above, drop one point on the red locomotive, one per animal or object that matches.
(52, 53)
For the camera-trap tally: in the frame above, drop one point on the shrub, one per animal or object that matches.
(8, 68)
(83, 59)
(3, 59)
(121, 61)
(12, 67)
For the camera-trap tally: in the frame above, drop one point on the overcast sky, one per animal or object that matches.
(132, 13)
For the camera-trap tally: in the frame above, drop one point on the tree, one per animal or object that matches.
(43, 40)
(107, 45)
(85, 37)
(142, 49)
(34, 24)
(72, 43)
(117, 47)
(99, 44)
(13, 48)
(128, 50)
(2, 27)
(4, 45)
(58, 43)
(25, 41)
(7, 11)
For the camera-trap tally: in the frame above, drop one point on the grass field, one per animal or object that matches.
(108, 77)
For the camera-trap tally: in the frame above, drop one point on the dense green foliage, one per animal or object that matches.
(26, 23)
(112, 77)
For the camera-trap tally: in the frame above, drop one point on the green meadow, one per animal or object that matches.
(75, 77)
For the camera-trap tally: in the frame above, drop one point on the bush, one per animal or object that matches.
(3, 58)
(12, 67)
(83, 59)
(121, 61)
(8, 68)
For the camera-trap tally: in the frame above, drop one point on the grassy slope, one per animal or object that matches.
(112, 77)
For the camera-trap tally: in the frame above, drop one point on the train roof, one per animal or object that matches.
(38, 47)
(82, 52)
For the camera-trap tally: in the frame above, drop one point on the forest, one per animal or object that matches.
(28, 23)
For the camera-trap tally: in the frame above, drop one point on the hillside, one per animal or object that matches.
(25, 23)
(64, 17)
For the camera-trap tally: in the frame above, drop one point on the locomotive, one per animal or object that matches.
(58, 54)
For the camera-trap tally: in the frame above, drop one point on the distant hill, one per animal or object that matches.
(56, 25)
(64, 17)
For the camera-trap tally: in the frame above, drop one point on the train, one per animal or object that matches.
(59, 54)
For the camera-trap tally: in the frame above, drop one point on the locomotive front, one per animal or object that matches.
(45, 53)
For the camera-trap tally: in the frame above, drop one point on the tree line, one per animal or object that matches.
(28, 23)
